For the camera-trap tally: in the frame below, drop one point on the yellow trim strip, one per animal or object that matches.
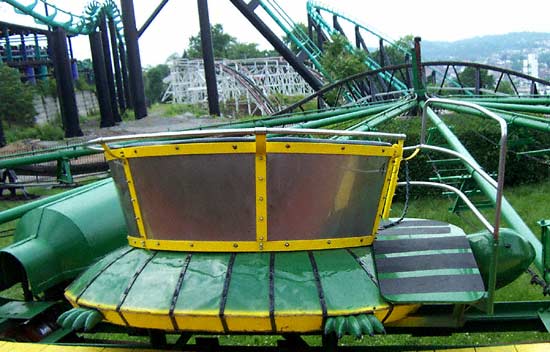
(250, 246)
(261, 190)
(185, 149)
(329, 148)
(394, 177)
(134, 199)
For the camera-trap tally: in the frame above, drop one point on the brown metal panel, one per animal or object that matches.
(197, 197)
(323, 196)
(117, 170)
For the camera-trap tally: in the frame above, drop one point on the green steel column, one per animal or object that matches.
(508, 212)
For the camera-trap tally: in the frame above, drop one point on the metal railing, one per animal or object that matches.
(500, 180)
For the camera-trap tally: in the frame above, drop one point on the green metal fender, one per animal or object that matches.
(55, 242)
(515, 254)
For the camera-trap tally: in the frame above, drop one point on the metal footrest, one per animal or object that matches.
(426, 261)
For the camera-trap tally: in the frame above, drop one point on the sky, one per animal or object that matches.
(438, 20)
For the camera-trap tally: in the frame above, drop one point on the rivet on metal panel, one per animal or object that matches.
(191, 245)
(261, 238)
(143, 243)
(343, 148)
(133, 200)
(137, 218)
(261, 157)
(287, 146)
(158, 243)
(235, 245)
(135, 151)
(128, 181)
(329, 242)
(177, 147)
(361, 240)
(261, 246)
(383, 150)
(260, 178)
(261, 218)
(261, 199)
(234, 146)
(287, 244)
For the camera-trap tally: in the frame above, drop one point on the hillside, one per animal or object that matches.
(483, 47)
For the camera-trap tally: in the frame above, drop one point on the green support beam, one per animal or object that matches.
(17, 212)
(42, 158)
(510, 119)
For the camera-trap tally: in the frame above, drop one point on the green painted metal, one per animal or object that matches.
(386, 115)
(55, 242)
(371, 64)
(345, 283)
(17, 212)
(545, 239)
(536, 109)
(516, 254)
(71, 23)
(24, 310)
(540, 100)
(78, 319)
(69, 153)
(510, 119)
(508, 212)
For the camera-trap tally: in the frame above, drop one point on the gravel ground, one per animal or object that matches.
(150, 124)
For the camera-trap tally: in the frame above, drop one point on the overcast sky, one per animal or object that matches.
(430, 19)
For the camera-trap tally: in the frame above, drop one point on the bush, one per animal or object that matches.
(480, 137)
(47, 132)
(17, 106)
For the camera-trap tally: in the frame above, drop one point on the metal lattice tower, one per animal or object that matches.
(249, 86)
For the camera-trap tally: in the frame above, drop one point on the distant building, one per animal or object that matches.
(531, 65)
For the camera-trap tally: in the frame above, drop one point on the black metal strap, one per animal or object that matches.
(107, 266)
(177, 291)
(226, 290)
(319, 286)
(364, 266)
(130, 284)
(390, 311)
(272, 292)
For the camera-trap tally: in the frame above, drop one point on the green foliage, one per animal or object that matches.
(46, 87)
(394, 54)
(299, 31)
(339, 62)
(225, 46)
(480, 137)
(153, 81)
(221, 42)
(47, 132)
(171, 110)
(17, 99)
(468, 78)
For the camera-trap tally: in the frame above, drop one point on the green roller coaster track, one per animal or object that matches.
(53, 16)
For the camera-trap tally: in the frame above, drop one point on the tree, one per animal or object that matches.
(154, 84)
(468, 78)
(221, 42)
(17, 106)
(244, 51)
(339, 62)
(225, 47)
(299, 31)
(394, 53)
